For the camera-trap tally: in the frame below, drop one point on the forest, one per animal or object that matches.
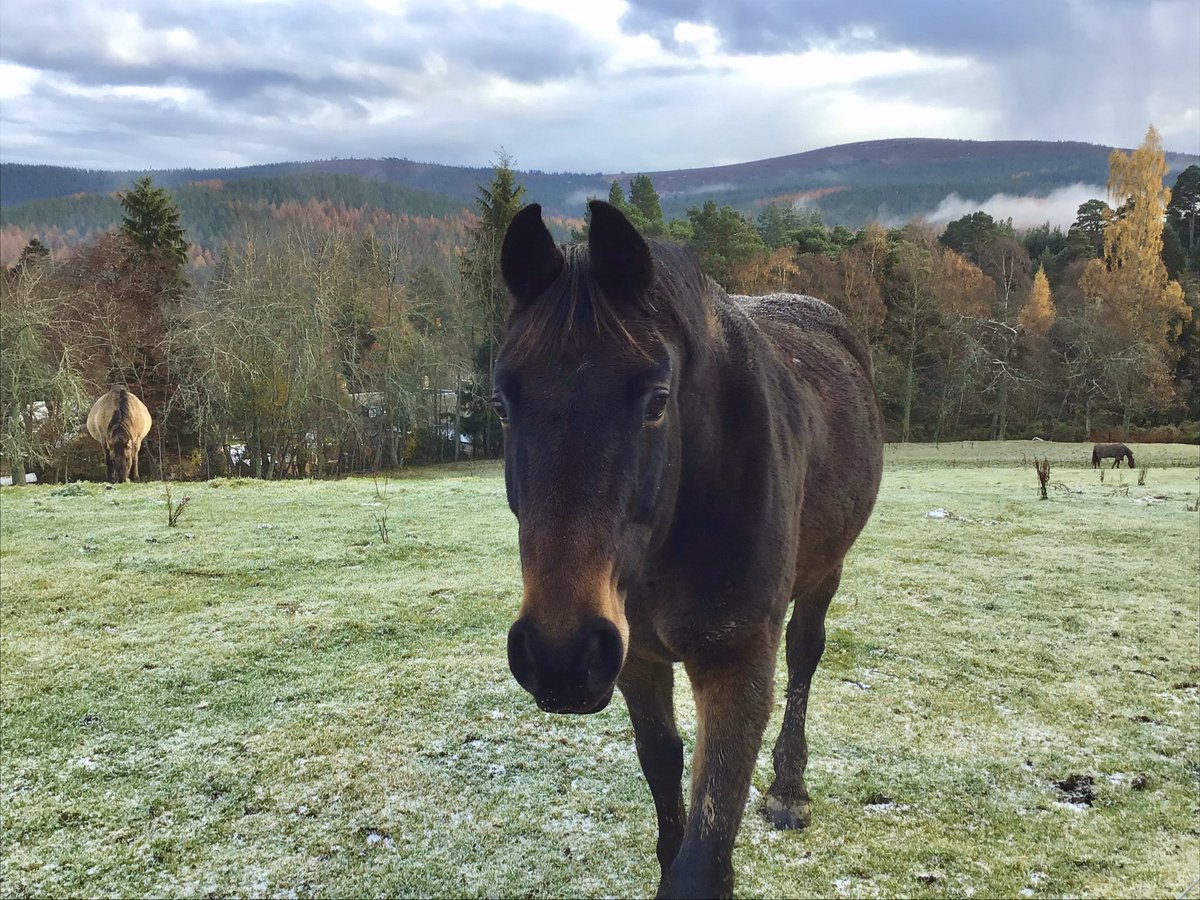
(890, 181)
(327, 335)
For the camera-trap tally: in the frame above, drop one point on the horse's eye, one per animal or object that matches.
(656, 406)
(500, 408)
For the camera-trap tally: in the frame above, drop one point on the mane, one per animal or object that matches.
(574, 310)
(118, 425)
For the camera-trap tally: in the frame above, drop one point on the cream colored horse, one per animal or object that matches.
(119, 422)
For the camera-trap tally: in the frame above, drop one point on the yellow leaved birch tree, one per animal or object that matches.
(1130, 294)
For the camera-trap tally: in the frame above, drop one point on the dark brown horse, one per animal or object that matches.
(684, 467)
(119, 422)
(1115, 452)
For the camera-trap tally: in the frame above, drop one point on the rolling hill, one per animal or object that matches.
(888, 180)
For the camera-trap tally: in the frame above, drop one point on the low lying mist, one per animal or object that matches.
(1059, 207)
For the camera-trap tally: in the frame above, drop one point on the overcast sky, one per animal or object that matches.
(581, 85)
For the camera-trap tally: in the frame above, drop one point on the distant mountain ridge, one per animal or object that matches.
(850, 183)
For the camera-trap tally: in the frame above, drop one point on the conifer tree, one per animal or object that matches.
(642, 208)
(35, 253)
(644, 199)
(151, 218)
(496, 203)
(1183, 212)
(777, 224)
(616, 196)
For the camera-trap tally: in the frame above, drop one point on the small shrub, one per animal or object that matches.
(174, 510)
(381, 526)
(1142, 470)
(1043, 474)
(381, 519)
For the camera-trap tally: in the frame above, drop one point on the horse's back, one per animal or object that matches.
(99, 416)
(139, 417)
(806, 318)
(118, 406)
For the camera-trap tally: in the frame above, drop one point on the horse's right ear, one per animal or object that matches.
(621, 261)
(529, 258)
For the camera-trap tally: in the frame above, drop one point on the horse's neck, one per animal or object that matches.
(724, 384)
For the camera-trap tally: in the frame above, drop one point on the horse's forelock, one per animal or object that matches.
(574, 310)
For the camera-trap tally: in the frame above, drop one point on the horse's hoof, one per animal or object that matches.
(787, 816)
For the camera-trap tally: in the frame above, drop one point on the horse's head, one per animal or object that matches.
(120, 455)
(586, 385)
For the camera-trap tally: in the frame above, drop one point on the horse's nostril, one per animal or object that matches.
(603, 657)
(520, 657)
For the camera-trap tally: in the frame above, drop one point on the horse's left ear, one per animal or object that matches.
(529, 258)
(621, 262)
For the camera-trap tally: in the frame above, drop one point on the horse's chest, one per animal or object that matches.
(684, 607)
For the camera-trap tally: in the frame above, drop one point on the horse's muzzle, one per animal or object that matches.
(572, 676)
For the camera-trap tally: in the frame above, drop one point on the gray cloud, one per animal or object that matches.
(242, 50)
(1084, 68)
(944, 26)
(170, 82)
(519, 44)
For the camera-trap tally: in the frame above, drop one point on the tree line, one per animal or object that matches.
(352, 341)
(980, 332)
(213, 209)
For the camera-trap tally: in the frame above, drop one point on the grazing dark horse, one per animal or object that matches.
(684, 466)
(119, 422)
(1115, 452)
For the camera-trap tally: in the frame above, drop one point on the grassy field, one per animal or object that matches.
(270, 699)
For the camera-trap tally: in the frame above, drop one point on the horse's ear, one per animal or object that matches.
(529, 258)
(621, 262)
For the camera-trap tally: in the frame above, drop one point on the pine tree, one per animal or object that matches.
(1085, 237)
(777, 224)
(496, 204)
(34, 254)
(644, 198)
(1184, 211)
(970, 234)
(641, 208)
(616, 196)
(151, 219)
(723, 239)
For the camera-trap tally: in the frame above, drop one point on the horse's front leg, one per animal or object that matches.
(732, 686)
(648, 690)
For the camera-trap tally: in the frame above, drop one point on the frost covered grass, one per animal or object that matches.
(270, 700)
